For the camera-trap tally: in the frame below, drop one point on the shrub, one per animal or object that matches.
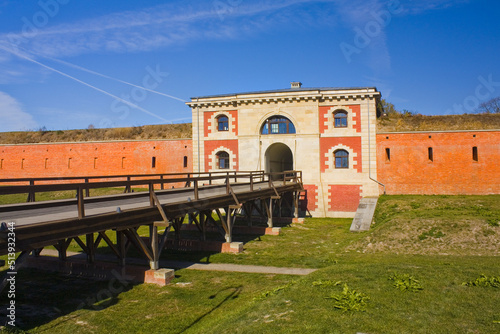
(274, 291)
(485, 281)
(350, 300)
(405, 282)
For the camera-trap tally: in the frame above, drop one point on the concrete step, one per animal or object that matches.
(364, 215)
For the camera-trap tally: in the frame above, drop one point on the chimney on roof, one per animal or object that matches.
(296, 84)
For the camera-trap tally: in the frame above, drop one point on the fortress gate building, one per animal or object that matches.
(328, 133)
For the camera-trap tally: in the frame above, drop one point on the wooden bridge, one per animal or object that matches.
(169, 200)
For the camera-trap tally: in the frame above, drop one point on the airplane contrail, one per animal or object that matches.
(83, 83)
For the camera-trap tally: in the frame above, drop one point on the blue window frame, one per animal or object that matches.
(223, 123)
(223, 160)
(341, 159)
(340, 119)
(278, 125)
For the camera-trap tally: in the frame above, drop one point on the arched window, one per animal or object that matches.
(223, 160)
(277, 125)
(340, 119)
(341, 159)
(222, 123)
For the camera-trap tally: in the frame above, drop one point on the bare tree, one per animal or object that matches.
(490, 107)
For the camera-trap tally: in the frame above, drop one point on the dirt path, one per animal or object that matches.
(194, 265)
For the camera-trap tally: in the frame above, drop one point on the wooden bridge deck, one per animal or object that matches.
(40, 224)
(40, 212)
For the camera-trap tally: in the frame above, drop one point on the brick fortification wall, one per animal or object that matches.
(461, 162)
(464, 162)
(96, 158)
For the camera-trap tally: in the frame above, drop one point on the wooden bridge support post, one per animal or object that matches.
(121, 245)
(90, 248)
(229, 221)
(269, 210)
(62, 246)
(248, 207)
(155, 263)
(296, 204)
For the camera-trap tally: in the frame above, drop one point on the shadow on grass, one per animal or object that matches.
(42, 297)
(233, 294)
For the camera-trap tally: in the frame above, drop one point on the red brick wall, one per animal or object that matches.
(233, 121)
(212, 145)
(326, 143)
(344, 198)
(206, 121)
(322, 118)
(95, 158)
(452, 171)
(311, 200)
(354, 110)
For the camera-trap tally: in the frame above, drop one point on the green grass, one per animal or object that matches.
(406, 286)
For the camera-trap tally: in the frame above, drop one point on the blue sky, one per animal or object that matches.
(66, 64)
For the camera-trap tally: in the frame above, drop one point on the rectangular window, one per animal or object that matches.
(283, 128)
(69, 163)
(387, 154)
(22, 163)
(95, 163)
(274, 128)
(475, 156)
(1, 164)
(223, 162)
(185, 161)
(430, 154)
(46, 163)
(153, 162)
(123, 162)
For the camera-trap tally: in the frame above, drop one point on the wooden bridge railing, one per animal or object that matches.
(149, 181)
(36, 185)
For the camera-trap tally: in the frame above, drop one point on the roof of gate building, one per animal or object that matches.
(291, 90)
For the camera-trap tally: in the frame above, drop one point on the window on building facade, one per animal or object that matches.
(277, 125)
(387, 154)
(185, 161)
(223, 160)
(475, 155)
(223, 123)
(430, 153)
(340, 119)
(153, 162)
(341, 159)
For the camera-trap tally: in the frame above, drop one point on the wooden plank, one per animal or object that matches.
(46, 233)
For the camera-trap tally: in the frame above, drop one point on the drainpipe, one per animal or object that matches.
(369, 144)
(198, 116)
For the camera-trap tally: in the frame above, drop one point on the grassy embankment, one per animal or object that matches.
(409, 122)
(428, 245)
(391, 123)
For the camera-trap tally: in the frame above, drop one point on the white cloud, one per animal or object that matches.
(417, 7)
(12, 116)
(159, 26)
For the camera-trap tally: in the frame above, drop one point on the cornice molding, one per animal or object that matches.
(268, 98)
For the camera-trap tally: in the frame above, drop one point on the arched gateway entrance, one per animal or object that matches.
(279, 158)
